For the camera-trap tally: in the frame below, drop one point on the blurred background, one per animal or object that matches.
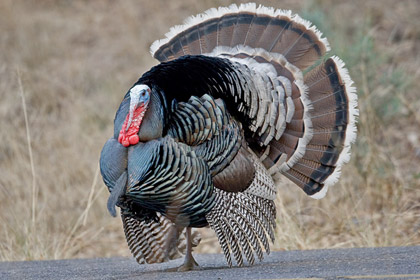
(65, 66)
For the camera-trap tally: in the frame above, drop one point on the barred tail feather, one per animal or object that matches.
(277, 31)
(333, 115)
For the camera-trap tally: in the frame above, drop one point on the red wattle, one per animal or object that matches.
(134, 139)
(125, 143)
(130, 136)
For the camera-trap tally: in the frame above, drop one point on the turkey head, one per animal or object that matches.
(142, 111)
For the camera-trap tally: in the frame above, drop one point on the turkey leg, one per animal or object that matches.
(189, 262)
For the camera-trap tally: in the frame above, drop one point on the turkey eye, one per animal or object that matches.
(143, 93)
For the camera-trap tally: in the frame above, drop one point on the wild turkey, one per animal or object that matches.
(242, 96)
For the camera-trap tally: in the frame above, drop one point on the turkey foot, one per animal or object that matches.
(189, 261)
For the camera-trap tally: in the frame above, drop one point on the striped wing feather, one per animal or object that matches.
(245, 221)
(151, 242)
(155, 241)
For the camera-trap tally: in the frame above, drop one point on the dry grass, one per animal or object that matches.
(65, 66)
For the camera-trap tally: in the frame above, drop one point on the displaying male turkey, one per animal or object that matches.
(242, 96)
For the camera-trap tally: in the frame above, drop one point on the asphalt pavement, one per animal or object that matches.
(359, 263)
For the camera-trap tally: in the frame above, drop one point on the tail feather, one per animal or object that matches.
(225, 29)
(208, 37)
(191, 43)
(319, 153)
(241, 29)
(257, 27)
(318, 172)
(306, 183)
(296, 125)
(333, 118)
(270, 34)
(255, 30)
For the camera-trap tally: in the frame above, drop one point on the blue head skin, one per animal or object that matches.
(139, 96)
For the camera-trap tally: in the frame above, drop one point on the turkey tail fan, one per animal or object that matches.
(307, 130)
(333, 102)
(155, 241)
(308, 136)
(277, 31)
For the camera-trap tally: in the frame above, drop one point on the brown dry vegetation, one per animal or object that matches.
(65, 65)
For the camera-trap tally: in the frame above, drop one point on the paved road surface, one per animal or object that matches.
(361, 263)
